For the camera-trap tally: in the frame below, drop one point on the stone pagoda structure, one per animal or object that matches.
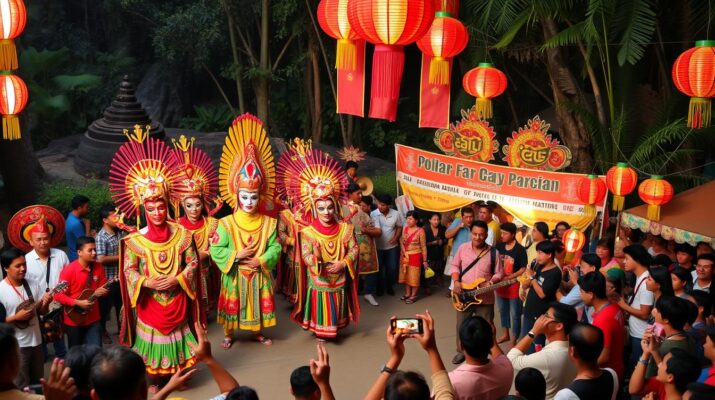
(105, 135)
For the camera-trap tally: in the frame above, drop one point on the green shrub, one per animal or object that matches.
(208, 119)
(386, 183)
(59, 196)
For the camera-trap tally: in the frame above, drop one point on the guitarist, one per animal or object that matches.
(473, 260)
(82, 274)
(14, 290)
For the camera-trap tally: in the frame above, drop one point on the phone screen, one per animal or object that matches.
(407, 325)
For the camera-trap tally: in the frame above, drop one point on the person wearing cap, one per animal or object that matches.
(514, 262)
(389, 222)
(485, 212)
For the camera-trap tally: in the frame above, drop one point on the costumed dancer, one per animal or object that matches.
(195, 187)
(158, 264)
(327, 294)
(245, 247)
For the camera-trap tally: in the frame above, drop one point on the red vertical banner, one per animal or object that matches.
(434, 99)
(351, 85)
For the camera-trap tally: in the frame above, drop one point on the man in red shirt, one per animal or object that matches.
(608, 317)
(80, 275)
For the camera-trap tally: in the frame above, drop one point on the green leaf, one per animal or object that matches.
(571, 35)
(77, 82)
(640, 23)
(508, 37)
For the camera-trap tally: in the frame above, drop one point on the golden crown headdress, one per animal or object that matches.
(195, 175)
(247, 162)
(141, 170)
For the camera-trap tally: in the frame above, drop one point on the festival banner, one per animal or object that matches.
(351, 85)
(436, 182)
(434, 99)
(533, 147)
(472, 138)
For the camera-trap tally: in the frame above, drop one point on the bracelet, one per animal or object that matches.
(387, 369)
(531, 334)
(644, 362)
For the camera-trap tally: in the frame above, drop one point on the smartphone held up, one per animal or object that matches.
(407, 326)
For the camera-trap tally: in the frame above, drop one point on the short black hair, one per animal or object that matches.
(682, 274)
(661, 276)
(607, 243)
(509, 227)
(587, 341)
(117, 373)
(684, 367)
(367, 200)
(706, 256)
(106, 210)
(432, 214)
(302, 383)
(8, 341)
(674, 309)
(564, 314)
(703, 299)
(475, 334)
(547, 247)
(78, 201)
(479, 224)
(467, 210)
(661, 259)
(83, 241)
(659, 241)
(79, 360)
(593, 282)
(9, 255)
(414, 214)
(592, 259)
(384, 198)
(700, 391)
(530, 384)
(639, 254)
(242, 393)
(353, 187)
(406, 385)
(351, 164)
(687, 249)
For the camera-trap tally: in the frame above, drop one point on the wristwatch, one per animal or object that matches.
(531, 334)
(387, 369)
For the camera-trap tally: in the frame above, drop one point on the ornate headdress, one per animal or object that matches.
(312, 175)
(35, 219)
(141, 170)
(196, 175)
(291, 161)
(247, 162)
(351, 153)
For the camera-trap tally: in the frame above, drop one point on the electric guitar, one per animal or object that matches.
(471, 292)
(77, 314)
(34, 305)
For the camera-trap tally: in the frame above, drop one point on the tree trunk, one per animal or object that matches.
(261, 83)
(573, 132)
(308, 88)
(21, 172)
(317, 101)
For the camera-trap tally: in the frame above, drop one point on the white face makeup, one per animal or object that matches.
(193, 207)
(325, 209)
(248, 200)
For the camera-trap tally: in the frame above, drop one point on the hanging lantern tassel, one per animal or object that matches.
(438, 71)
(346, 58)
(653, 212)
(388, 63)
(484, 107)
(699, 113)
(8, 55)
(618, 202)
(10, 127)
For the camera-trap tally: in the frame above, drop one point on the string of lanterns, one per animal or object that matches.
(13, 91)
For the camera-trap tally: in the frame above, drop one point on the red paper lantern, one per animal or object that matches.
(450, 6)
(13, 99)
(484, 82)
(591, 191)
(574, 240)
(389, 25)
(446, 38)
(621, 181)
(333, 19)
(694, 75)
(655, 192)
(13, 17)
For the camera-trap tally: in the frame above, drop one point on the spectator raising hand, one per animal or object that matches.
(59, 385)
(202, 349)
(320, 371)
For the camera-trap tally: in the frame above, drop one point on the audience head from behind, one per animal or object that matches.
(671, 311)
(593, 287)
(564, 317)
(530, 384)
(475, 337)
(79, 360)
(585, 345)
(678, 368)
(703, 300)
(9, 355)
(118, 374)
(406, 385)
(614, 286)
(636, 258)
(302, 385)
(699, 391)
(242, 393)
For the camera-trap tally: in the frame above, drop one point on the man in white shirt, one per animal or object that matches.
(14, 290)
(637, 260)
(389, 222)
(553, 360)
(704, 272)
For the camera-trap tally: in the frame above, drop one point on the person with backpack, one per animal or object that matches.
(473, 261)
